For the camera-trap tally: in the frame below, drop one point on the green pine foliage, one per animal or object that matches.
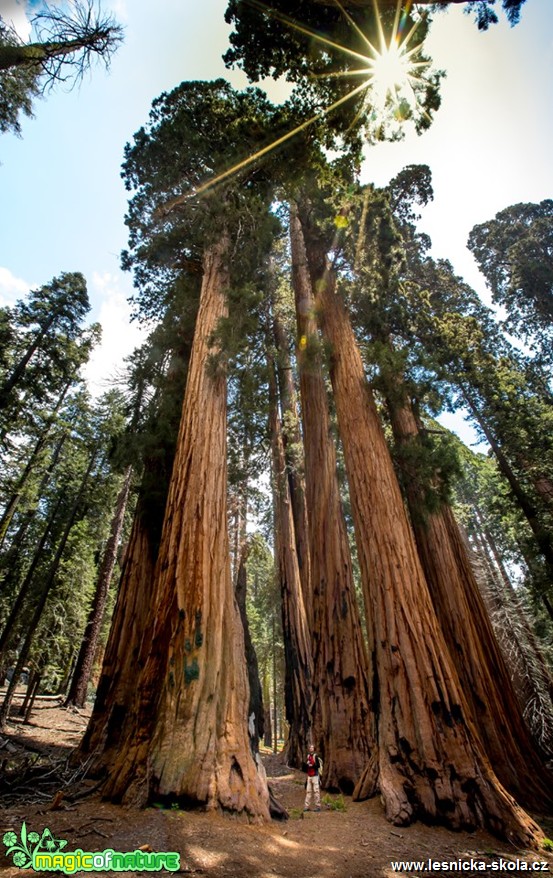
(514, 251)
(18, 87)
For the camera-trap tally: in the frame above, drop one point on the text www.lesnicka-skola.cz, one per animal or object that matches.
(499, 865)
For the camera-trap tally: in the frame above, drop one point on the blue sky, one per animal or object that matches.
(62, 201)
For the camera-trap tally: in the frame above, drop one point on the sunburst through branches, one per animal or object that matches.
(395, 80)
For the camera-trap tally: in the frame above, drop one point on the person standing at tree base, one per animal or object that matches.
(312, 786)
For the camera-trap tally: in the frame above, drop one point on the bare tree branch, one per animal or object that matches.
(65, 43)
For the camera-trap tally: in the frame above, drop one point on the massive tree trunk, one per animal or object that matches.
(83, 667)
(343, 729)
(430, 762)
(130, 633)
(295, 465)
(298, 665)
(462, 615)
(186, 737)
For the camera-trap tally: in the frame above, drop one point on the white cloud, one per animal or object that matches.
(119, 8)
(119, 336)
(12, 288)
(13, 12)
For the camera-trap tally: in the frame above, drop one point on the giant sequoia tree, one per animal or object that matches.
(342, 717)
(453, 587)
(184, 727)
(424, 726)
(398, 723)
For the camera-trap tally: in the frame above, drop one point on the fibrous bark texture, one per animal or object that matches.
(256, 717)
(430, 762)
(187, 735)
(295, 465)
(342, 717)
(465, 622)
(297, 645)
(126, 650)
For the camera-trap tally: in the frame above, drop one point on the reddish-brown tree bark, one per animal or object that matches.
(186, 736)
(295, 466)
(297, 644)
(430, 761)
(342, 718)
(462, 615)
(126, 650)
(256, 715)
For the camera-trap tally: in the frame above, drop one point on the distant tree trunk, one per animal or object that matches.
(430, 762)
(343, 728)
(25, 587)
(34, 680)
(255, 707)
(268, 726)
(461, 612)
(45, 590)
(295, 464)
(186, 735)
(298, 665)
(126, 650)
(275, 719)
(35, 55)
(31, 699)
(83, 668)
(13, 502)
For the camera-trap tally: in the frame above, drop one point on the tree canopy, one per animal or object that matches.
(514, 252)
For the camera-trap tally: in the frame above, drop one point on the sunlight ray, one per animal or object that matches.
(381, 35)
(388, 73)
(354, 24)
(394, 36)
(340, 74)
(411, 33)
(280, 16)
(239, 166)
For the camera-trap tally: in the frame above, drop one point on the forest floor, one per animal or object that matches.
(353, 842)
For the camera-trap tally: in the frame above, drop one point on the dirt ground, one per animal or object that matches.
(353, 843)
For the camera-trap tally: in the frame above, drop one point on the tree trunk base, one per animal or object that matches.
(450, 802)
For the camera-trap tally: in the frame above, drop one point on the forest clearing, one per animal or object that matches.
(303, 534)
(356, 842)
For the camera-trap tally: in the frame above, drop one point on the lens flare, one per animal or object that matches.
(393, 76)
(390, 74)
